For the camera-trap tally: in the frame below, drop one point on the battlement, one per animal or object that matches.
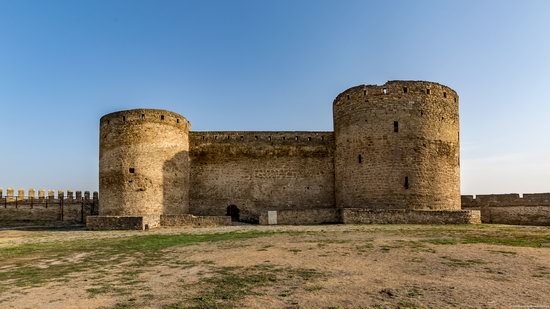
(506, 200)
(399, 88)
(237, 145)
(11, 196)
(270, 137)
(136, 116)
(46, 206)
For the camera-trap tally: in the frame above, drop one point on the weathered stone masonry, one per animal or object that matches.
(529, 209)
(38, 207)
(395, 147)
(393, 158)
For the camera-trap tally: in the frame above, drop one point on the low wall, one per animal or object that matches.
(304, 216)
(149, 222)
(118, 223)
(405, 216)
(195, 221)
(529, 209)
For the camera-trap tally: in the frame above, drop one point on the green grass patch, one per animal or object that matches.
(105, 252)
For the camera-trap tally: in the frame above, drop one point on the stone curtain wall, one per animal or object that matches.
(531, 209)
(260, 171)
(397, 147)
(46, 206)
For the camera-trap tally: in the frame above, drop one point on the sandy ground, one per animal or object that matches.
(335, 266)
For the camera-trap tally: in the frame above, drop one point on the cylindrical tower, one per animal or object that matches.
(143, 163)
(397, 147)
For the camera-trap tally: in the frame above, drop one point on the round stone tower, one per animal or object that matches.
(397, 147)
(143, 163)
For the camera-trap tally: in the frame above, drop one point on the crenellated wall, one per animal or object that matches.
(528, 209)
(46, 206)
(257, 171)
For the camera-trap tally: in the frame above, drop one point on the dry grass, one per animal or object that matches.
(333, 266)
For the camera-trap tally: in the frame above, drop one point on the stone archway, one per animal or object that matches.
(234, 212)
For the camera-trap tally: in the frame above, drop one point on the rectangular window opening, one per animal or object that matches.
(177, 121)
(405, 90)
(359, 158)
(395, 126)
(123, 118)
(427, 91)
(132, 170)
(161, 117)
(444, 94)
(385, 90)
(406, 182)
(142, 116)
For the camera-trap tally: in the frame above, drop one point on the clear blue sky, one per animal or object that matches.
(268, 65)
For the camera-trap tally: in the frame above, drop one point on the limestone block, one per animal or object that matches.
(41, 195)
(32, 194)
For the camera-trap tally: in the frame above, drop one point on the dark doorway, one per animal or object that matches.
(234, 212)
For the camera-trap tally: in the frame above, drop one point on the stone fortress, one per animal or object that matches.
(393, 158)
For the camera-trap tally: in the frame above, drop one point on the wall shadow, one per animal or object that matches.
(175, 183)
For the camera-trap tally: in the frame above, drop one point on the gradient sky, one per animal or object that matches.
(268, 65)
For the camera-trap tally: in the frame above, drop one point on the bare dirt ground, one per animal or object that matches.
(331, 266)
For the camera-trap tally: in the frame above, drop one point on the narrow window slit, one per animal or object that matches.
(406, 182)
(161, 117)
(359, 158)
(405, 90)
(395, 126)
